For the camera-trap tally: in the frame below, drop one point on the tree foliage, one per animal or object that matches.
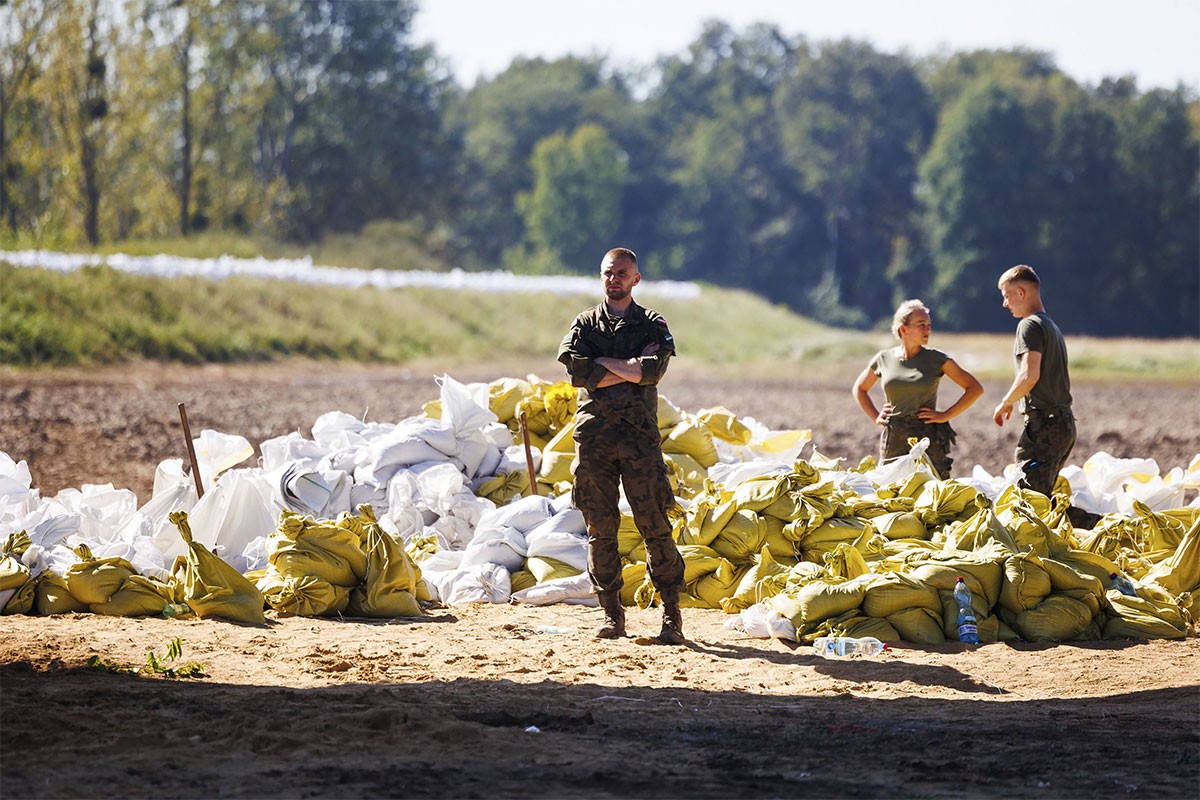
(830, 177)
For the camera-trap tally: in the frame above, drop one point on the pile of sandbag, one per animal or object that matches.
(445, 513)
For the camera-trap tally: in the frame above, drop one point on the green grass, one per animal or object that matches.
(100, 316)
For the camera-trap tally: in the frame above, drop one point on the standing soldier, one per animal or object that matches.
(617, 352)
(1042, 385)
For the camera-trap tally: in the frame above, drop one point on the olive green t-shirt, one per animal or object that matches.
(909, 384)
(1037, 333)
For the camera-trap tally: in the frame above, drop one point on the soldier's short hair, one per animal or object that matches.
(1021, 273)
(622, 254)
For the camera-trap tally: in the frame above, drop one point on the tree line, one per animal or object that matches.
(827, 176)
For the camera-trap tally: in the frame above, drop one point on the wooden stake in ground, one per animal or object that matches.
(528, 455)
(187, 437)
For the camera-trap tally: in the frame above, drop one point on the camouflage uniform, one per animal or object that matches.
(617, 440)
(1049, 434)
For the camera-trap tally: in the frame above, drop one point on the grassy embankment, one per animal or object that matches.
(100, 316)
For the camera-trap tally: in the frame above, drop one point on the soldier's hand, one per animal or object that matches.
(1002, 413)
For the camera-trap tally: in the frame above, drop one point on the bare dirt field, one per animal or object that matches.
(474, 702)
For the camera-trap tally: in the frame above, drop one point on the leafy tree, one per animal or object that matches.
(575, 203)
(980, 183)
(853, 124)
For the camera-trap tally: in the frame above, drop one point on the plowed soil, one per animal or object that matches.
(474, 702)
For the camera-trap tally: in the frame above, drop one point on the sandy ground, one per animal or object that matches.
(474, 702)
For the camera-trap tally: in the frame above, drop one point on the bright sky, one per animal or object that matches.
(1158, 41)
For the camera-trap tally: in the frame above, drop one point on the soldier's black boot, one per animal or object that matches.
(613, 626)
(672, 628)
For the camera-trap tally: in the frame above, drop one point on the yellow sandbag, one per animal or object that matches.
(978, 530)
(982, 575)
(502, 489)
(521, 580)
(807, 506)
(13, 573)
(749, 588)
(503, 396)
(1089, 563)
(742, 537)
(1064, 576)
(690, 476)
(900, 525)
(139, 596)
(694, 439)
(92, 580)
(303, 595)
(854, 625)
(760, 492)
(824, 539)
(669, 415)
(1160, 531)
(633, 574)
(390, 585)
(918, 625)
(1027, 528)
(209, 586)
(782, 548)
(557, 458)
(1145, 618)
(629, 538)
(725, 426)
(716, 586)
(909, 487)
(21, 601)
(51, 596)
(562, 403)
(845, 562)
(892, 593)
(1025, 583)
(820, 600)
(1058, 618)
(1181, 572)
(706, 518)
(303, 546)
(939, 502)
(547, 569)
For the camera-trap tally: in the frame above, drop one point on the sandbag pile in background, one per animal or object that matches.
(445, 513)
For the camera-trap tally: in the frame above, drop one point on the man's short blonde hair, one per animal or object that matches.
(1021, 273)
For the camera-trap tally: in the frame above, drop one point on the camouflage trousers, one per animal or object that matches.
(609, 453)
(893, 441)
(1047, 440)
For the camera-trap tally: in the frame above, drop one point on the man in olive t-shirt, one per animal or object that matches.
(1042, 384)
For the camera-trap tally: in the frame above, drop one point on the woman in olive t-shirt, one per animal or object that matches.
(910, 374)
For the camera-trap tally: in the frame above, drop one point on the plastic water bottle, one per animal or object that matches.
(177, 610)
(968, 629)
(1123, 585)
(848, 646)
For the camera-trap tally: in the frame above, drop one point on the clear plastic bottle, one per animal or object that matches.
(968, 628)
(848, 646)
(1123, 585)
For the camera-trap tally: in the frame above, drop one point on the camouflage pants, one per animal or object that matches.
(1047, 440)
(893, 441)
(609, 453)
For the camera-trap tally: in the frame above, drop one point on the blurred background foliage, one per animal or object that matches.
(827, 177)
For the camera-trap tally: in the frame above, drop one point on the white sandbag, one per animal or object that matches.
(761, 621)
(102, 509)
(236, 511)
(15, 478)
(482, 583)
(173, 491)
(732, 475)
(217, 452)
(571, 590)
(321, 494)
(335, 429)
(565, 546)
(521, 514)
(464, 408)
(503, 545)
(284, 450)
